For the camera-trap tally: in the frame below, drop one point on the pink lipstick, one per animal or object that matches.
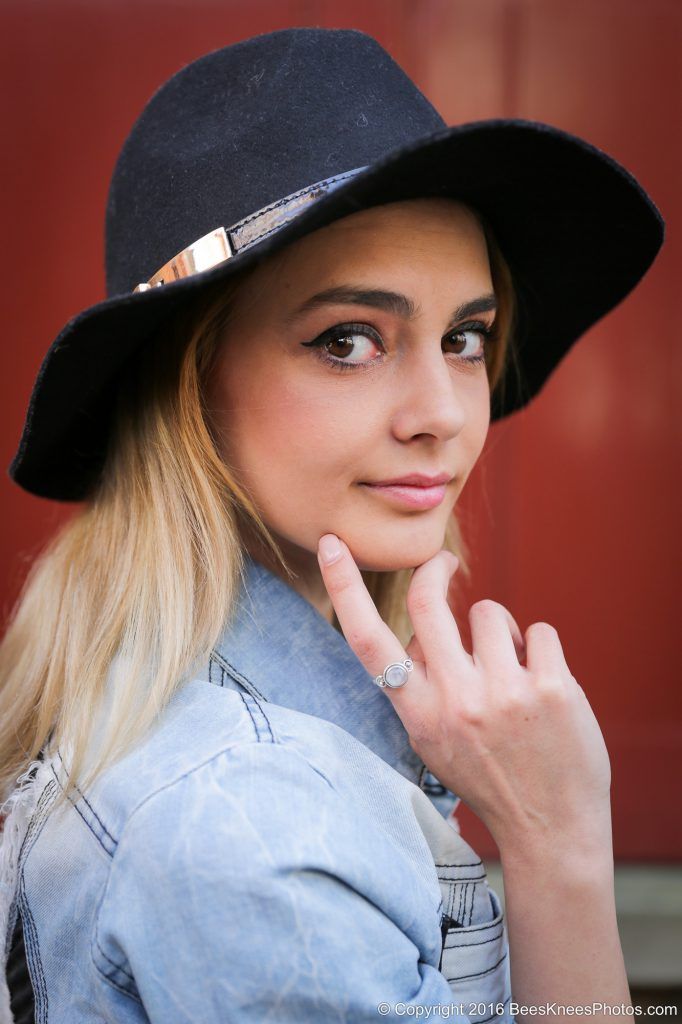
(415, 490)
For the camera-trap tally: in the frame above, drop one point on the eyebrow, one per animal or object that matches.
(391, 302)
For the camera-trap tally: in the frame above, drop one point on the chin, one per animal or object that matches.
(386, 550)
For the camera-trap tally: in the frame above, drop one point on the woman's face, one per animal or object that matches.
(350, 360)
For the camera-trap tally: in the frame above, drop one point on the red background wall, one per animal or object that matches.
(574, 508)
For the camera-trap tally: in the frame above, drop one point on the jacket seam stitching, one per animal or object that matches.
(32, 953)
(37, 821)
(479, 974)
(79, 812)
(20, 905)
(462, 892)
(458, 881)
(237, 676)
(479, 927)
(473, 896)
(87, 803)
(472, 864)
(117, 967)
(465, 945)
(246, 700)
(114, 984)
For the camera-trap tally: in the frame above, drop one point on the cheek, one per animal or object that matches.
(477, 425)
(285, 434)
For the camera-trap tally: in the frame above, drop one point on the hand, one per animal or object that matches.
(519, 743)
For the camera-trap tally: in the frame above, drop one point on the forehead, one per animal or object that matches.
(434, 238)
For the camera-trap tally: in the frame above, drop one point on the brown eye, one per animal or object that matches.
(341, 346)
(339, 343)
(469, 342)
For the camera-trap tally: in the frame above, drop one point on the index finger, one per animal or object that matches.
(362, 626)
(374, 643)
(368, 636)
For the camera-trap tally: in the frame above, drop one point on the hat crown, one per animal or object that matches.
(246, 125)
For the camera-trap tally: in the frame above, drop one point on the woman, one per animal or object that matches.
(316, 289)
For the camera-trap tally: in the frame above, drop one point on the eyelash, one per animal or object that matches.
(344, 330)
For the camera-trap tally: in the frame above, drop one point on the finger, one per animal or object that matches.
(430, 614)
(545, 653)
(414, 649)
(516, 635)
(496, 638)
(368, 636)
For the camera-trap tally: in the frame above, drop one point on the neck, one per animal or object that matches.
(307, 579)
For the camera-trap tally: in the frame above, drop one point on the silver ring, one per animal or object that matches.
(395, 674)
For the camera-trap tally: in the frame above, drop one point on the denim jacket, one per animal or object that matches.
(273, 851)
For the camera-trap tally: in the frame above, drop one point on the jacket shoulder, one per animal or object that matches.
(258, 861)
(200, 724)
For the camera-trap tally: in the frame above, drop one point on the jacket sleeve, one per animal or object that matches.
(248, 891)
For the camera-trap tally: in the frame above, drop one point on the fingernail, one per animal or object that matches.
(330, 549)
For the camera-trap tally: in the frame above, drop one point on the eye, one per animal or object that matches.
(344, 340)
(469, 341)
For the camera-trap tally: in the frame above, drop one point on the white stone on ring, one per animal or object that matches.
(395, 674)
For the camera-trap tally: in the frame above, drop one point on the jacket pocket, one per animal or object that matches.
(475, 957)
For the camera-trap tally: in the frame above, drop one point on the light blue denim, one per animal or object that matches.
(274, 851)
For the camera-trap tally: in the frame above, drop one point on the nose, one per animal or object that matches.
(430, 396)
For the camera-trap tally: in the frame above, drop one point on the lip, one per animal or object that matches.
(409, 495)
(414, 480)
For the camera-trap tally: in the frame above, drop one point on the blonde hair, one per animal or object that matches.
(146, 573)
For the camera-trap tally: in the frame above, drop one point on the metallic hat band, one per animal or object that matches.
(222, 243)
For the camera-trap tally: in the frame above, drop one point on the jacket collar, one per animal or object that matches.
(278, 647)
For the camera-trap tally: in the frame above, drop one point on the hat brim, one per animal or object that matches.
(576, 228)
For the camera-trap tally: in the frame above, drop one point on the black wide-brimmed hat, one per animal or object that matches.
(257, 144)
